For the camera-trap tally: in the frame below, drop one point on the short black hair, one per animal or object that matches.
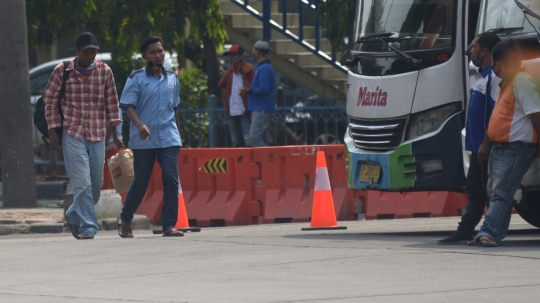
(488, 40)
(506, 50)
(150, 40)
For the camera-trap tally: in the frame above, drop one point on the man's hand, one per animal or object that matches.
(245, 90)
(118, 142)
(144, 131)
(54, 141)
(483, 152)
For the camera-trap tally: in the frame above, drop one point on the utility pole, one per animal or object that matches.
(16, 150)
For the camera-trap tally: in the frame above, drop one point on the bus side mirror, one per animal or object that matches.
(345, 58)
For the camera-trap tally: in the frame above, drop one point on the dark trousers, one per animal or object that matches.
(477, 192)
(143, 165)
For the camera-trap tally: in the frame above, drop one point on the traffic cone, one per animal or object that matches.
(182, 222)
(323, 215)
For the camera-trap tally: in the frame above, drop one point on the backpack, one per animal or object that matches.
(39, 114)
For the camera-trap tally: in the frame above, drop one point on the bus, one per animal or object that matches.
(408, 85)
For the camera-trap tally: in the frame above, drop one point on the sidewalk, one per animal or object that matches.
(50, 220)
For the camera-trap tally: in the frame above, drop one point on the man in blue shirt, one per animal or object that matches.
(261, 96)
(484, 91)
(150, 99)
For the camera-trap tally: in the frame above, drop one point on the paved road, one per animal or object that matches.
(372, 261)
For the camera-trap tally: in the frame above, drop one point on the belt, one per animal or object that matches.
(514, 145)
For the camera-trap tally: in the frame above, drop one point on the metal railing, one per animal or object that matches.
(268, 24)
(301, 123)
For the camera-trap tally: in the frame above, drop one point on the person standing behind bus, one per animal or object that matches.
(512, 137)
(484, 91)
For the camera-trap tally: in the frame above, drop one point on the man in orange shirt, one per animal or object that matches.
(511, 137)
(238, 76)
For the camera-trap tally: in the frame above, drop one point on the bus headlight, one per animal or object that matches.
(430, 121)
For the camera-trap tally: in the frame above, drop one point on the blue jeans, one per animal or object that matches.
(143, 165)
(84, 165)
(506, 167)
(258, 135)
(239, 127)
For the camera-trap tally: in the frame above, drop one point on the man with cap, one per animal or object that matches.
(237, 77)
(89, 105)
(261, 95)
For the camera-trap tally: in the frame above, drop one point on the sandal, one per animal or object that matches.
(75, 233)
(485, 241)
(124, 229)
(173, 232)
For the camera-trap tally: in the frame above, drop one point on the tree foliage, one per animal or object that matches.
(338, 20)
(121, 25)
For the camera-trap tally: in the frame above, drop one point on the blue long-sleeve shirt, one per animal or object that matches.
(263, 89)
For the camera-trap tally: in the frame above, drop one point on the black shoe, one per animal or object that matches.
(456, 238)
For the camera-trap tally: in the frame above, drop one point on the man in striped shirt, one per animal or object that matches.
(89, 104)
(512, 137)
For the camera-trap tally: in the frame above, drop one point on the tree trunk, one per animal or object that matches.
(212, 69)
(18, 179)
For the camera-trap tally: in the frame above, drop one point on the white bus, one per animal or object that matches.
(409, 83)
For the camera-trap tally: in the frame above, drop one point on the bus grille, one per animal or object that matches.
(380, 135)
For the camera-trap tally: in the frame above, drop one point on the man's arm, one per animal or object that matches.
(263, 85)
(111, 101)
(144, 131)
(485, 149)
(224, 83)
(50, 100)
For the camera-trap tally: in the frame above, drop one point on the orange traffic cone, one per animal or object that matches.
(323, 215)
(182, 222)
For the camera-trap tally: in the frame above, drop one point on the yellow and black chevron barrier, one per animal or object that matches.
(216, 165)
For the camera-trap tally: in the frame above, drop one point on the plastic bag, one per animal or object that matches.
(121, 168)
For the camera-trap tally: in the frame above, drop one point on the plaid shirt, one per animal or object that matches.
(89, 102)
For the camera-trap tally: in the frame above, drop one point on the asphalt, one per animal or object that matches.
(371, 261)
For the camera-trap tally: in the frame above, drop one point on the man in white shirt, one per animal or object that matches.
(238, 76)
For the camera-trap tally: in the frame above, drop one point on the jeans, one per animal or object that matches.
(84, 165)
(506, 167)
(477, 193)
(259, 128)
(239, 127)
(143, 165)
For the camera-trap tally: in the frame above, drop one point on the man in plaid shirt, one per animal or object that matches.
(89, 104)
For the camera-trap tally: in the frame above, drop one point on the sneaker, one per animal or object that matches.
(456, 238)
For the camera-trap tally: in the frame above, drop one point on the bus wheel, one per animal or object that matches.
(529, 207)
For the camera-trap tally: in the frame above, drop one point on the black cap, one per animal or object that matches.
(87, 40)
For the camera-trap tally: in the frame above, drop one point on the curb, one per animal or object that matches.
(139, 222)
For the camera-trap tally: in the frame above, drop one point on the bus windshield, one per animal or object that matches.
(505, 14)
(415, 24)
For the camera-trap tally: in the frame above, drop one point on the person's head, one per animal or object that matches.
(260, 51)
(152, 50)
(481, 48)
(235, 54)
(506, 59)
(86, 47)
